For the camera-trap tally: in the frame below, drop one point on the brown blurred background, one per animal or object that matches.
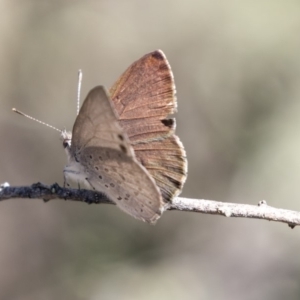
(237, 70)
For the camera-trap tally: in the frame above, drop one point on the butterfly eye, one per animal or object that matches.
(66, 143)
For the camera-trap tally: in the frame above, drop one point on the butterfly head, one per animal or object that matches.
(66, 138)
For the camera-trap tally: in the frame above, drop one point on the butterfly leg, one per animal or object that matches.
(92, 187)
(66, 183)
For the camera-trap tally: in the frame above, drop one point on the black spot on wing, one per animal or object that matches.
(168, 122)
(123, 148)
(121, 137)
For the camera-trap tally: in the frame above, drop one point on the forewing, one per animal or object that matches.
(96, 125)
(143, 97)
(103, 149)
(146, 90)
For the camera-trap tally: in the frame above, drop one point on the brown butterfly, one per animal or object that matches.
(124, 145)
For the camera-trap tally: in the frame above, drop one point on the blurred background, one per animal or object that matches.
(237, 71)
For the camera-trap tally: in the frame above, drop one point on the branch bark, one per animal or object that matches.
(260, 211)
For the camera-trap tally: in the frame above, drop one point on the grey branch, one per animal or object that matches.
(259, 211)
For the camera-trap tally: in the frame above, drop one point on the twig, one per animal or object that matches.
(260, 211)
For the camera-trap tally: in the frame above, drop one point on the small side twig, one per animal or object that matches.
(260, 211)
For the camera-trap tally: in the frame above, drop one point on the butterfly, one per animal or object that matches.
(123, 143)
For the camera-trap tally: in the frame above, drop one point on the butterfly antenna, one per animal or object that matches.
(31, 118)
(79, 89)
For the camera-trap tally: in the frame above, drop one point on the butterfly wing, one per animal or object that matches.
(101, 147)
(143, 98)
(166, 162)
(145, 95)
